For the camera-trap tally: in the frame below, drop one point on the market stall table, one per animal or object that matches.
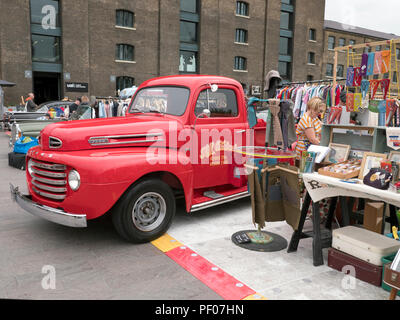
(320, 187)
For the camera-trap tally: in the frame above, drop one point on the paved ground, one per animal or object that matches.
(94, 263)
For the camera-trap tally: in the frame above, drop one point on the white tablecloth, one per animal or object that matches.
(321, 187)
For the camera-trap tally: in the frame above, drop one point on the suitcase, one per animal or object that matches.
(364, 244)
(16, 160)
(364, 271)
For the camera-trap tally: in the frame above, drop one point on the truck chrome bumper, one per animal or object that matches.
(48, 213)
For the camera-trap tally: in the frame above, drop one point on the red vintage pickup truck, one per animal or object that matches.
(176, 141)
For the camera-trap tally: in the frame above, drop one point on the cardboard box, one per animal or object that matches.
(373, 216)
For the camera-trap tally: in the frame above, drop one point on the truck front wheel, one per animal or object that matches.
(145, 211)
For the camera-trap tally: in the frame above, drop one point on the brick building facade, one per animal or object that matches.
(108, 44)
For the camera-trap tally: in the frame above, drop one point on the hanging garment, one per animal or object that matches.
(102, 112)
(350, 102)
(371, 63)
(374, 84)
(357, 77)
(357, 102)
(378, 63)
(276, 127)
(364, 64)
(385, 84)
(385, 61)
(287, 123)
(364, 87)
(350, 77)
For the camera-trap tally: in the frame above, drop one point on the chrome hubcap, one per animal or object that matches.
(149, 211)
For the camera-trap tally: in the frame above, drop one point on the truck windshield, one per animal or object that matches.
(168, 100)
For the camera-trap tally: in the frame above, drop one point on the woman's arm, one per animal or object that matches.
(310, 134)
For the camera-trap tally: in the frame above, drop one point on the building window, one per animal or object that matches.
(241, 36)
(352, 43)
(240, 63)
(242, 8)
(284, 69)
(288, 2)
(311, 58)
(340, 70)
(367, 49)
(310, 78)
(124, 52)
(187, 62)
(42, 8)
(331, 42)
(395, 80)
(124, 18)
(329, 70)
(397, 53)
(286, 20)
(188, 32)
(46, 49)
(342, 42)
(312, 35)
(124, 82)
(189, 6)
(378, 48)
(285, 46)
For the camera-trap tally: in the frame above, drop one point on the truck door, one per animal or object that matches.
(218, 131)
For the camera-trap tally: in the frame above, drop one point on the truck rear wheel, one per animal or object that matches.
(145, 211)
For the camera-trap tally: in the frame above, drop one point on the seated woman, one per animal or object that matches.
(310, 126)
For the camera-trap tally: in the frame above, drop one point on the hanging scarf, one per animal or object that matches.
(364, 64)
(371, 62)
(378, 63)
(374, 84)
(364, 87)
(385, 84)
(350, 77)
(357, 102)
(385, 61)
(350, 102)
(357, 77)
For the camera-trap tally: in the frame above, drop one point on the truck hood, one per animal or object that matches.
(138, 130)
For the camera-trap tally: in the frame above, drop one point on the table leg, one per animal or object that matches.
(318, 259)
(393, 294)
(294, 242)
(393, 217)
(345, 211)
(331, 213)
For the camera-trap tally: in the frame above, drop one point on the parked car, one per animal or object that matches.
(32, 128)
(40, 114)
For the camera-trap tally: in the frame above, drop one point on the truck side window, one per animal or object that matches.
(222, 103)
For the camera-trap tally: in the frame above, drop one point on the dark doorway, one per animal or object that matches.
(46, 87)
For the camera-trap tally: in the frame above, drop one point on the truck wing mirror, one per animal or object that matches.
(205, 114)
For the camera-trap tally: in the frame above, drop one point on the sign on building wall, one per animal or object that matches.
(76, 87)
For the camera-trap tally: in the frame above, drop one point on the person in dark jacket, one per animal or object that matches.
(74, 106)
(31, 106)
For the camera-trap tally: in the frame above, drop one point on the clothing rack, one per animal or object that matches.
(310, 82)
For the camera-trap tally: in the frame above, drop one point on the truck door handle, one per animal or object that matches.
(241, 131)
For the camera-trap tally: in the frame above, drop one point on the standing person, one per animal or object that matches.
(310, 126)
(30, 105)
(74, 106)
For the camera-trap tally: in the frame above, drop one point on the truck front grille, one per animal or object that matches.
(49, 180)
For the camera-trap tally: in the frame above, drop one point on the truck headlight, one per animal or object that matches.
(30, 165)
(74, 180)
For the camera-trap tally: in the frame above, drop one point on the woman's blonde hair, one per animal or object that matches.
(315, 104)
(85, 99)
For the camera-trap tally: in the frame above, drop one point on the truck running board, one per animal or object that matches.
(213, 203)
